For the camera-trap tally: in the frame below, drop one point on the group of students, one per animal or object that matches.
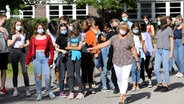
(123, 48)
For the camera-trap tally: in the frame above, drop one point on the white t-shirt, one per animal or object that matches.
(19, 41)
(53, 38)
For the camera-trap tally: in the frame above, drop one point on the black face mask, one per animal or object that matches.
(114, 28)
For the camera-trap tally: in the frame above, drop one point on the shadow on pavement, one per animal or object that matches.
(135, 97)
(176, 85)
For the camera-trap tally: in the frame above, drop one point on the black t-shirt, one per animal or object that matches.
(61, 40)
(110, 34)
(110, 55)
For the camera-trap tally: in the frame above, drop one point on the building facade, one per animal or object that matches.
(56, 8)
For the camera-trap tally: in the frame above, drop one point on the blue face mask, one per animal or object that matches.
(146, 22)
(63, 32)
(135, 31)
(125, 19)
(40, 31)
(159, 23)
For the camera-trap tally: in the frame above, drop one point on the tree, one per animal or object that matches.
(19, 4)
(105, 4)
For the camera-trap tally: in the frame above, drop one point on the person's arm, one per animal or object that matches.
(69, 47)
(99, 46)
(135, 56)
(152, 31)
(12, 40)
(172, 47)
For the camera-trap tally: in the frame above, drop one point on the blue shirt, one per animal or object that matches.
(75, 54)
(177, 34)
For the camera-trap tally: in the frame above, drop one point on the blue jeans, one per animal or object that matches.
(170, 64)
(162, 56)
(62, 68)
(104, 56)
(179, 54)
(41, 67)
(135, 72)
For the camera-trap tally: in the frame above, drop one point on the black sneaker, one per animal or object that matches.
(143, 84)
(164, 89)
(116, 91)
(158, 88)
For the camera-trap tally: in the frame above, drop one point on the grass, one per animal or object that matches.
(10, 70)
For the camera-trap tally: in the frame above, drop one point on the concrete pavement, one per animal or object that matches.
(143, 96)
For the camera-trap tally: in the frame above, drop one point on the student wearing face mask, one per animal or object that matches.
(18, 40)
(124, 48)
(41, 52)
(150, 27)
(114, 23)
(61, 44)
(164, 52)
(139, 44)
(124, 16)
(178, 46)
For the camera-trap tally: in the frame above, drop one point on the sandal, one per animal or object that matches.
(122, 100)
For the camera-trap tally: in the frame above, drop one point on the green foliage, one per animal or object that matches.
(105, 4)
(29, 24)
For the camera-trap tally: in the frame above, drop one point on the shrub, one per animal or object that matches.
(29, 24)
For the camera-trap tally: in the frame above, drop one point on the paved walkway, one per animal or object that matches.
(144, 96)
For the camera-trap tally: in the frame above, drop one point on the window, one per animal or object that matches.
(160, 9)
(175, 9)
(54, 11)
(146, 9)
(81, 12)
(28, 12)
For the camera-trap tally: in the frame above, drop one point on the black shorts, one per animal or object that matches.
(3, 61)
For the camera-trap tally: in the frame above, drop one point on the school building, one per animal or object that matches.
(57, 8)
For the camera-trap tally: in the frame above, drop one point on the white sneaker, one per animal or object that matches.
(15, 93)
(39, 97)
(28, 93)
(177, 74)
(51, 95)
(180, 75)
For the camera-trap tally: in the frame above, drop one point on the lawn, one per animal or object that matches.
(10, 71)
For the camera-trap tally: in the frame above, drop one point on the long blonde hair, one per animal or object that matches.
(125, 25)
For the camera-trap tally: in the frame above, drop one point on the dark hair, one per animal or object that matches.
(53, 27)
(143, 27)
(62, 25)
(124, 13)
(65, 18)
(76, 28)
(137, 24)
(147, 17)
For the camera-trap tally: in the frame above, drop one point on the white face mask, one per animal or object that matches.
(18, 28)
(122, 32)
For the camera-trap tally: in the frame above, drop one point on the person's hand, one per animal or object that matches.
(89, 49)
(138, 65)
(21, 46)
(2, 30)
(171, 55)
(96, 55)
(64, 52)
(26, 65)
(67, 48)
